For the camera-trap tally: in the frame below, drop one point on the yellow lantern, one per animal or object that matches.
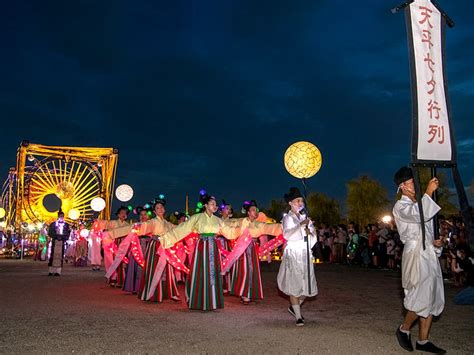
(303, 160)
(74, 214)
(2, 212)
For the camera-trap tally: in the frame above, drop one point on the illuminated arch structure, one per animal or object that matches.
(47, 177)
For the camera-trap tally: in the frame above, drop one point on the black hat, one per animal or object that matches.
(247, 204)
(292, 194)
(403, 174)
(205, 198)
(122, 208)
(224, 204)
(60, 213)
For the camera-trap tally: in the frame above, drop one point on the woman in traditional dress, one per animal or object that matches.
(204, 283)
(226, 212)
(166, 284)
(293, 275)
(133, 271)
(114, 230)
(246, 279)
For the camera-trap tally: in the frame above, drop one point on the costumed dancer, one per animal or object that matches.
(226, 211)
(204, 283)
(59, 232)
(293, 274)
(422, 279)
(133, 271)
(246, 278)
(114, 231)
(80, 257)
(94, 251)
(166, 287)
(180, 248)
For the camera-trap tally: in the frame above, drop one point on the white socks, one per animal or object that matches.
(422, 342)
(297, 310)
(302, 300)
(404, 331)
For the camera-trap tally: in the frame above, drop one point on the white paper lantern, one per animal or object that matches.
(74, 214)
(124, 193)
(98, 204)
(84, 233)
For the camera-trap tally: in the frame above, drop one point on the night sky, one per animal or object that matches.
(211, 93)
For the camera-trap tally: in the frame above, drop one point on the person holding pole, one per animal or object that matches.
(422, 279)
(296, 276)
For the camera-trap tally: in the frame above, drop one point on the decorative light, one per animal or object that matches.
(2, 212)
(303, 160)
(98, 204)
(161, 196)
(124, 193)
(31, 158)
(387, 219)
(84, 233)
(74, 214)
(202, 192)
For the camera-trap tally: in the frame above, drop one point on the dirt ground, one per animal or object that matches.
(356, 312)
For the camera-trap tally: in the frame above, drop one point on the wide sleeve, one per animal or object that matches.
(291, 229)
(174, 235)
(259, 228)
(231, 228)
(120, 231)
(409, 212)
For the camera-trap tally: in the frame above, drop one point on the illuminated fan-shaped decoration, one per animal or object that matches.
(124, 193)
(98, 204)
(74, 214)
(303, 160)
(73, 183)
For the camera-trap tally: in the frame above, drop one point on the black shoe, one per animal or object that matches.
(404, 340)
(299, 322)
(292, 312)
(56, 274)
(50, 274)
(429, 347)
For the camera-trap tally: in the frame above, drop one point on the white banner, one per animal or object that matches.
(432, 131)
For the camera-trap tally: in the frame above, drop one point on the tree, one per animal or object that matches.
(323, 209)
(276, 209)
(366, 200)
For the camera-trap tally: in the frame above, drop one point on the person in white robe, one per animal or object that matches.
(293, 274)
(422, 279)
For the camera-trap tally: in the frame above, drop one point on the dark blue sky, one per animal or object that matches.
(211, 93)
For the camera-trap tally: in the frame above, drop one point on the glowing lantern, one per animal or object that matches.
(387, 219)
(303, 160)
(98, 204)
(84, 233)
(2, 212)
(124, 193)
(74, 214)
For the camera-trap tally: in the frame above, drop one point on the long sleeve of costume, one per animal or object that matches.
(232, 228)
(409, 212)
(180, 232)
(291, 229)
(120, 231)
(155, 226)
(256, 229)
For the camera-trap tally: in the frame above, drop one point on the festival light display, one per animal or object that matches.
(303, 160)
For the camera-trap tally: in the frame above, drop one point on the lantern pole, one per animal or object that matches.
(308, 257)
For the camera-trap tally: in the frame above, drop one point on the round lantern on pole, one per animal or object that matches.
(124, 193)
(303, 160)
